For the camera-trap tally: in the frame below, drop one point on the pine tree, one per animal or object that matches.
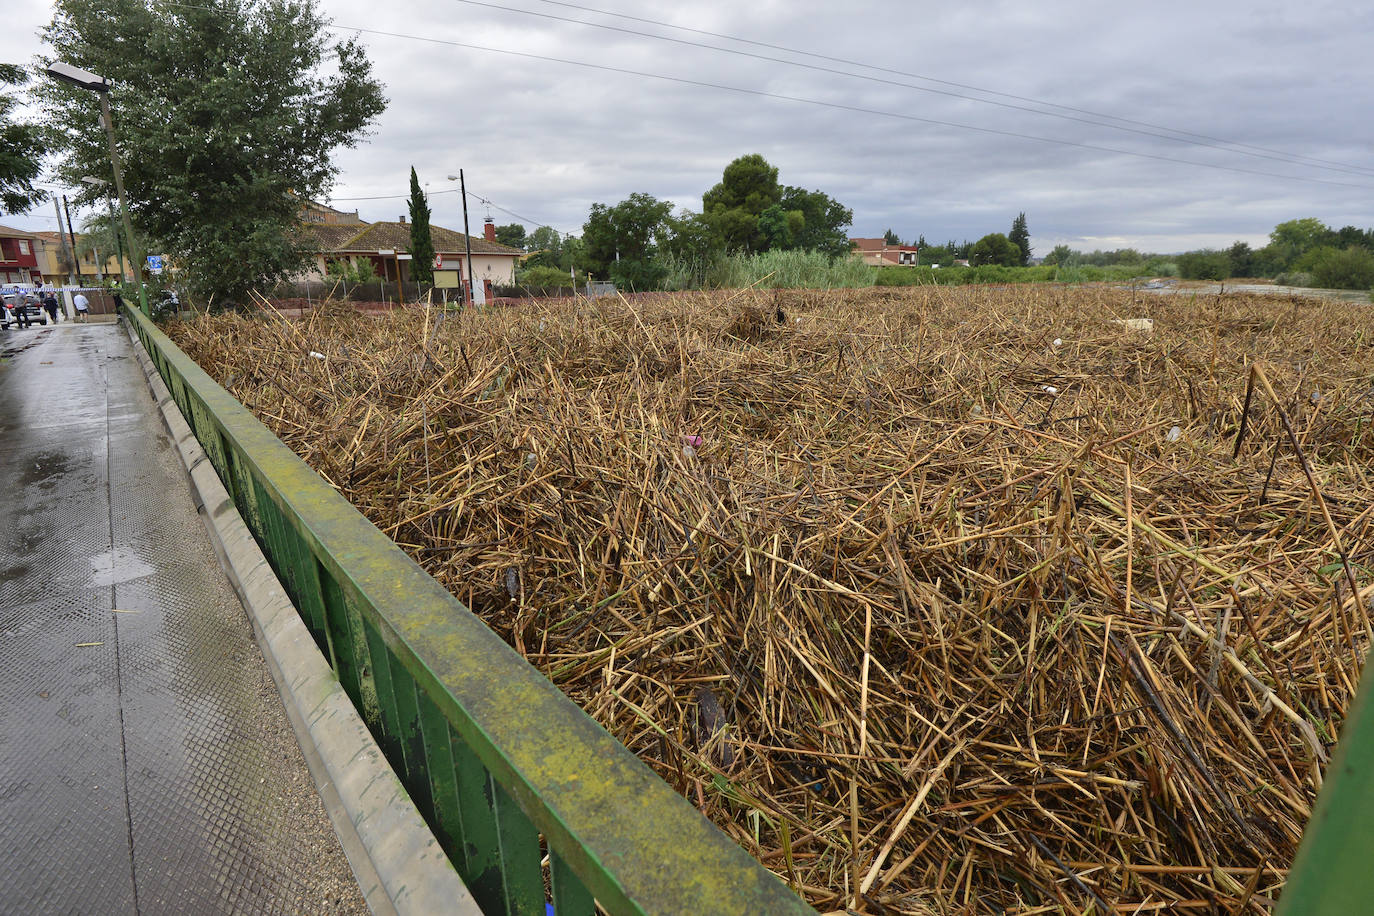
(1020, 237)
(421, 244)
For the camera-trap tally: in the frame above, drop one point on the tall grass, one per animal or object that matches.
(993, 273)
(768, 270)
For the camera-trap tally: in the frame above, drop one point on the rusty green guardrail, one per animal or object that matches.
(1333, 874)
(493, 754)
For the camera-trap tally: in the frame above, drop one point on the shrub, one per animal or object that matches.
(1335, 268)
(543, 278)
(1296, 278)
(916, 276)
(362, 272)
(1204, 264)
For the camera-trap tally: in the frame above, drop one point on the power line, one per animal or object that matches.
(844, 107)
(809, 101)
(1285, 158)
(1340, 166)
(471, 196)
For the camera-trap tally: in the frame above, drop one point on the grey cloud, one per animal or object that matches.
(546, 139)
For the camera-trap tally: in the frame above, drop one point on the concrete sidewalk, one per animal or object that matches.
(146, 763)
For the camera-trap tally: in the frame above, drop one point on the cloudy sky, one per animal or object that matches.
(934, 119)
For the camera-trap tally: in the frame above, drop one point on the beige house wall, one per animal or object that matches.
(49, 264)
(499, 269)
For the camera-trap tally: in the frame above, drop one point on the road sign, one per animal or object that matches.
(155, 263)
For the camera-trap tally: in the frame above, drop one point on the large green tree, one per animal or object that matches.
(748, 187)
(994, 248)
(824, 221)
(225, 114)
(1060, 254)
(1292, 239)
(622, 241)
(691, 237)
(511, 235)
(421, 242)
(22, 147)
(1020, 237)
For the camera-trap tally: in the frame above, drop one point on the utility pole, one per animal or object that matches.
(71, 234)
(62, 242)
(467, 238)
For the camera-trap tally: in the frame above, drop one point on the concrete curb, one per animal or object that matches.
(399, 866)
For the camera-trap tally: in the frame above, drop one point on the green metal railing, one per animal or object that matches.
(492, 753)
(1333, 874)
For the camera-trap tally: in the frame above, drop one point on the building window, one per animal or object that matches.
(23, 246)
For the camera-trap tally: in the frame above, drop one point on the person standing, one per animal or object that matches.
(83, 306)
(50, 305)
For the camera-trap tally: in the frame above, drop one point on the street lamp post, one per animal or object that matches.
(467, 237)
(109, 202)
(84, 79)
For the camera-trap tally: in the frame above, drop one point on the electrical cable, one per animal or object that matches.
(931, 79)
(804, 100)
(843, 107)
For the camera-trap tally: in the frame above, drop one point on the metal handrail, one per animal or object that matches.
(492, 753)
(1331, 875)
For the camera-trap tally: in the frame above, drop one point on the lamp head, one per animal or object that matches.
(78, 77)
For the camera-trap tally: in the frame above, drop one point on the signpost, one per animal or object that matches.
(155, 263)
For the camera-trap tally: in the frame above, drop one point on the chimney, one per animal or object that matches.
(489, 229)
(403, 219)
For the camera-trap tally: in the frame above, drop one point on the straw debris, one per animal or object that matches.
(938, 616)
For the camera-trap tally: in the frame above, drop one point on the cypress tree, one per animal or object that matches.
(1020, 237)
(421, 244)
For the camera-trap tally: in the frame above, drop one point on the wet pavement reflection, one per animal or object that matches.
(146, 764)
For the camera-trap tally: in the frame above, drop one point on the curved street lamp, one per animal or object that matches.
(85, 79)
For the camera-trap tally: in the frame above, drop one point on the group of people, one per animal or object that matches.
(21, 307)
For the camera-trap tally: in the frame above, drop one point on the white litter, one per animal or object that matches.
(1138, 325)
(1049, 389)
(1058, 342)
(689, 452)
(1175, 433)
(316, 355)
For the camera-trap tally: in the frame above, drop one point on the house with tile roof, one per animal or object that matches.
(387, 244)
(878, 253)
(19, 257)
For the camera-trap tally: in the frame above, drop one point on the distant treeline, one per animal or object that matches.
(1301, 252)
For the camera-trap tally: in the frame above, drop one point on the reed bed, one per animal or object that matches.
(936, 600)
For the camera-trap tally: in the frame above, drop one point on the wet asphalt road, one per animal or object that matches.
(146, 764)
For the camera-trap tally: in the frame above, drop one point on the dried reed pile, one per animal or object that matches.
(919, 594)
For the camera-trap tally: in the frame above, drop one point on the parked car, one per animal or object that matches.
(22, 309)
